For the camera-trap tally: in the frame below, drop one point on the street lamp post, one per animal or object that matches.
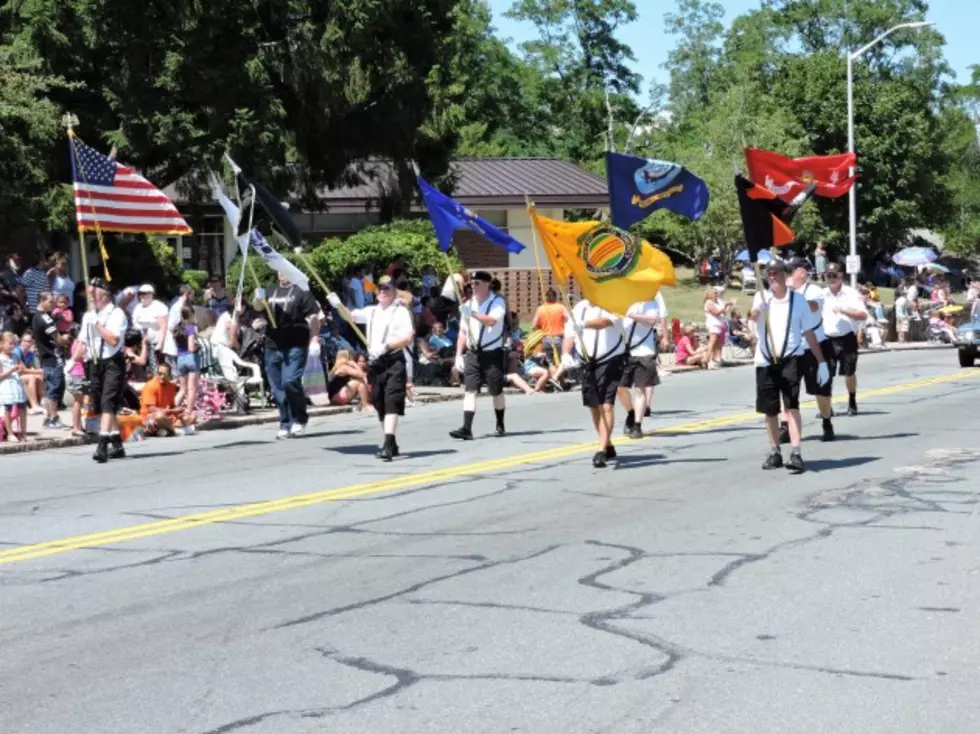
(852, 196)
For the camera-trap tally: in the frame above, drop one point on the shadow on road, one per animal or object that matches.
(370, 449)
(849, 437)
(636, 462)
(819, 465)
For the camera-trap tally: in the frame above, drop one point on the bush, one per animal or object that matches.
(372, 247)
(375, 248)
(196, 279)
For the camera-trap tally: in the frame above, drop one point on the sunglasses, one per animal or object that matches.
(832, 276)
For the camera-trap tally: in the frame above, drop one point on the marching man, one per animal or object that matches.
(842, 311)
(641, 325)
(103, 330)
(783, 323)
(481, 334)
(598, 337)
(389, 331)
(799, 281)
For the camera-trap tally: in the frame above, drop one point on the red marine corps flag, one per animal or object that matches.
(787, 177)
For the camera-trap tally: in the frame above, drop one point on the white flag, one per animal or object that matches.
(277, 262)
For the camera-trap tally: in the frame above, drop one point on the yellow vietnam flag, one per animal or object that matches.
(613, 268)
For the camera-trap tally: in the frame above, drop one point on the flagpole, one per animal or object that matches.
(241, 275)
(70, 121)
(537, 262)
(344, 313)
(265, 302)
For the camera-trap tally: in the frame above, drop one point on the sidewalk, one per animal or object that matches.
(40, 438)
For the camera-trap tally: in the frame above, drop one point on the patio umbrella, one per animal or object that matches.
(910, 257)
(937, 267)
(743, 257)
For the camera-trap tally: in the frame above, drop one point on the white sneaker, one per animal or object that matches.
(283, 433)
(297, 430)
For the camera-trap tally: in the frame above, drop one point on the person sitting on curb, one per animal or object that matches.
(158, 402)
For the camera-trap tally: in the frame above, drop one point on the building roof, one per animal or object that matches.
(485, 183)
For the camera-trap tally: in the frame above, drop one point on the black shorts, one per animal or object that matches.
(810, 365)
(846, 353)
(107, 384)
(600, 382)
(388, 377)
(640, 372)
(485, 368)
(775, 382)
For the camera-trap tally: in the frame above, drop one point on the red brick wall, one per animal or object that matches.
(522, 289)
(477, 253)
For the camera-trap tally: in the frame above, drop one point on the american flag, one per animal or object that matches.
(114, 198)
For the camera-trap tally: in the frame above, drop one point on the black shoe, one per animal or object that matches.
(828, 431)
(648, 413)
(773, 461)
(628, 427)
(599, 460)
(500, 432)
(637, 432)
(783, 433)
(101, 454)
(116, 450)
(852, 409)
(386, 453)
(394, 449)
(463, 434)
(610, 452)
(795, 464)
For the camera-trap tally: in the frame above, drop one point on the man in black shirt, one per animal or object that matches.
(289, 338)
(49, 344)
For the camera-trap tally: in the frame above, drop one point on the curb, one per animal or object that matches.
(257, 420)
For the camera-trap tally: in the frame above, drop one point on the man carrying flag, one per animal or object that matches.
(783, 324)
(598, 338)
(481, 334)
(389, 331)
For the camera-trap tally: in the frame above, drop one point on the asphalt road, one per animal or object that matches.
(229, 583)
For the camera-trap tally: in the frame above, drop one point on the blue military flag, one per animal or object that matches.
(448, 215)
(639, 186)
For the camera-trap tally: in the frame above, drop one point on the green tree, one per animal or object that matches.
(580, 60)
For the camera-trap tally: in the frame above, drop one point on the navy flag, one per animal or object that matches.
(640, 186)
(448, 215)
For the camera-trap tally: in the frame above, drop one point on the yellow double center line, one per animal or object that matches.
(186, 522)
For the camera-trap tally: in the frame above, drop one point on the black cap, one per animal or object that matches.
(799, 262)
(778, 266)
(101, 284)
(483, 276)
(834, 269)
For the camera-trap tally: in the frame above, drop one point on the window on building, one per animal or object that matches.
(496, 217)
(204, 250)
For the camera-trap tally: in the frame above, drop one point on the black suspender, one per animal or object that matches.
(594, 360)
(789, 325)
(480, 347)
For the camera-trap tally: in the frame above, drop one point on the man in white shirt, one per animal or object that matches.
(644, 321)
(481, 334)
(799, 281)
(599, 338)
(782, 318)
(843, 310)
(389, 331)
(103, 330)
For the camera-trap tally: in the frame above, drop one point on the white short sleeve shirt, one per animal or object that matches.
(837, 324)
(599, 345)
(785, 319)
(642, 338)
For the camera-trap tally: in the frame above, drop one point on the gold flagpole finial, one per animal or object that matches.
(70, 121)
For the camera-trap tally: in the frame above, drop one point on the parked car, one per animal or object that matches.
(968, 343)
